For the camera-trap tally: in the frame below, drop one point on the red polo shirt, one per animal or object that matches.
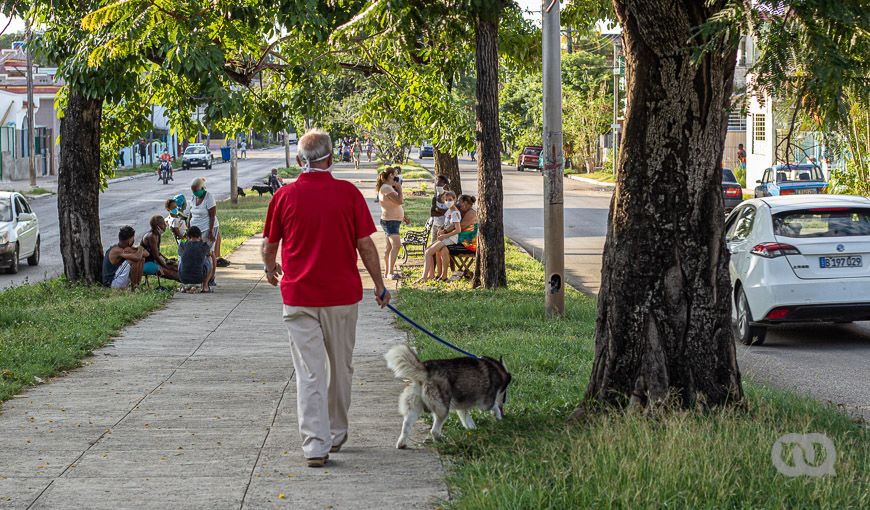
(319, 219)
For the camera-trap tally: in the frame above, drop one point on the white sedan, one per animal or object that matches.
(799, 258)
(19, 232)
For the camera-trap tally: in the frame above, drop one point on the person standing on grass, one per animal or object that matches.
(123, 264)
(438, 208)
(390, 198)
(321, 224)
(203, 214)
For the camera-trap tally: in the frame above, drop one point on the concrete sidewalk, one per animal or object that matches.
(195, 407)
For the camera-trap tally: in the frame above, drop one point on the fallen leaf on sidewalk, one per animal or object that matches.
(282, 496)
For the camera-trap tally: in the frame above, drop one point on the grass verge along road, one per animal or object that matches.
(680, 459)
(48, 327)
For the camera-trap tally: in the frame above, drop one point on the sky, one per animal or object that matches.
(17, 25)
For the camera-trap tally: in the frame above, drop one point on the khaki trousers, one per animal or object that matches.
(321, 342)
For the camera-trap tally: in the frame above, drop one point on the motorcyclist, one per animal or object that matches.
(165, 161)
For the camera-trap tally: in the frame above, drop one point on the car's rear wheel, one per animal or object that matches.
(33, 259)
(744, 331)
(13, 268)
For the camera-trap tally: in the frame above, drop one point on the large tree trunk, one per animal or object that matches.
(490, 241)
(78, 189)
(448, 166)
(664, 310)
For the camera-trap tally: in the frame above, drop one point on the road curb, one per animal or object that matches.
(590, 181)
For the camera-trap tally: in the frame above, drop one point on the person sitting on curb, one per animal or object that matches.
(176, 220)
(155, 262)
(196, 262)
(123, 264)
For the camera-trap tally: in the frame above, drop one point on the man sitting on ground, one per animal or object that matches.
(275, 181)
(155, 262)
(196, 262)
(123, 264)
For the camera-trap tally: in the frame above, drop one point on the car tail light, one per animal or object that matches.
(773, 250)
(785, 192)
(778, 313)
(733, 192)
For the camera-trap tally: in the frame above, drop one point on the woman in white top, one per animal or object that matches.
(446, 236)
(203, 214)
(392, 215)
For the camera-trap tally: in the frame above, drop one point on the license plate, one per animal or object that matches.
(811, 191)
(838, 262)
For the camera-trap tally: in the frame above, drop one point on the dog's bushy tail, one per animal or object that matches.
(405, 364)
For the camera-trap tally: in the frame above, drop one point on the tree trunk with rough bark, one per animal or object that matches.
(664, 310)
(448, 166)
(78, 189)
(490, 272)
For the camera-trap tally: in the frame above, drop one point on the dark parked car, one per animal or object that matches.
(426, 151)
(781, 180)
(529, 158)
(731, 190)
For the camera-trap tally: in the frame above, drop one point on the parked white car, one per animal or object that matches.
(19, 232)
(801, 258)
(197, 154)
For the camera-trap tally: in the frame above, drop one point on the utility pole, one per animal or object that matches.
(286, 148)
(615, 126)
(554, 220)
(31, 146)
(569, 40)
(234, 173)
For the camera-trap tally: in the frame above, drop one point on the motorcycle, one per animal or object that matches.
(165, 172)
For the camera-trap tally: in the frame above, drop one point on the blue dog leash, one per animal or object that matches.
(424, 330)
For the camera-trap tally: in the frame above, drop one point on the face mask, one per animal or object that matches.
(306, 164)
(439, 190)
(173, 211)
(199, 193)
(441, 206)
(450, 203)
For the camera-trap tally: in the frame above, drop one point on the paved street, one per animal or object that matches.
(133, 202)
(830, 362)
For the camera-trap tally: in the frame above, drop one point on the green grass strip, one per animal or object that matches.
(681, 459)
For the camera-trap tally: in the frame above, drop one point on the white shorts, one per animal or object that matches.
(438, 221)
(454, 239)
(122, 276)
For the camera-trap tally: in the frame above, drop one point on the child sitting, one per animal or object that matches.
(195, 262)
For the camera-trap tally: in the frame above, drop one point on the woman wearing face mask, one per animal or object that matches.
(438, 208)
(433, 266)
(155, 262)
(390, 198)
(203, 214)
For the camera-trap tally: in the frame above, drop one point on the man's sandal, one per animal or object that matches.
(317, 462)
(337, 447)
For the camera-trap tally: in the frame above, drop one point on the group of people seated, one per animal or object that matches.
(454, 223)
(196, 232)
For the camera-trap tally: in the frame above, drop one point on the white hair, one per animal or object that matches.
(197, 182)
(314, 145)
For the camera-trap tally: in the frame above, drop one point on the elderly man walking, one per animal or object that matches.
(322, 223)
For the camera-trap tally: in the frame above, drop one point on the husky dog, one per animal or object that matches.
(437, 386)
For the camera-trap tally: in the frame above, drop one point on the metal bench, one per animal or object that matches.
(415, 242)
(461, 259)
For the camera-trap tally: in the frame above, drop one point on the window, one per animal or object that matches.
(5, 210)
(823, 222)
(799, 173)
(759, 128)
(736, 121)
(20, 206)
(766, 177)
(741, 226)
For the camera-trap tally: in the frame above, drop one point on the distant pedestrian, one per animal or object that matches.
(243, 147)
(369, 149)
(143, 150)
(357, 153)
(321, 224)
(121, 158)
(473, 153)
